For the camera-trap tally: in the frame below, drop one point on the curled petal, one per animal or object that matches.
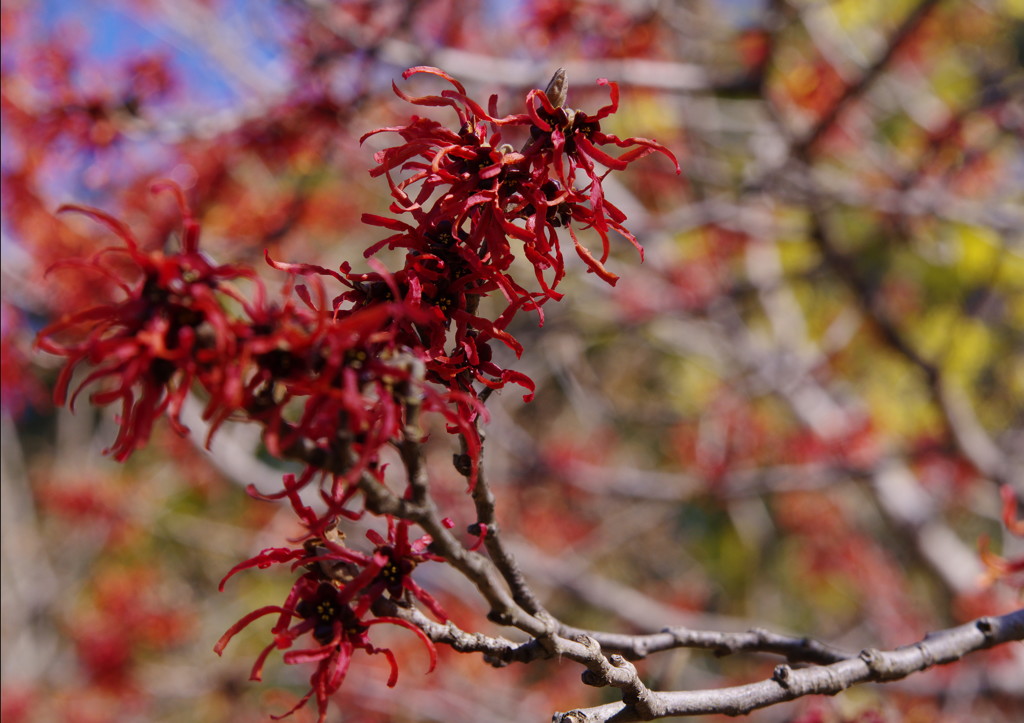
(190, 238)
(647, 147)
(393, 678)
(302, 269)
(595, 266)
(388, 223)
(269, 556)
(419, 633)
(256, 673)
(613, 102)
(434, 71)
(118, 227)
(244, 622)
(302, 701)
(600, 156)
(314, 655)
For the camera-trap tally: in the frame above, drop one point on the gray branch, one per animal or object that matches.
(788, 683)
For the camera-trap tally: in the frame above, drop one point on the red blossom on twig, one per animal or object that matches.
(170, 329)
(338, 627)
(335, 379)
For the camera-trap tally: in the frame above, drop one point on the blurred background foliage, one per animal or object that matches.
(796, 413)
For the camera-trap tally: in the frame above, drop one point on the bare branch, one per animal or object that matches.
(788, 683)
(855, 90)
(961, 422)
(487, 521)
(757, 640)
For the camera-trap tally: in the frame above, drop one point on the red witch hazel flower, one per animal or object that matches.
(169, 330)
(568, 140)
(338, 627)
(331, 601)
(470, 196)
(354, 367)
(336, 382)
(388, 569)
(488, 192)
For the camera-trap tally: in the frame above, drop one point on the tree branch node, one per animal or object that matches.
(782, 675)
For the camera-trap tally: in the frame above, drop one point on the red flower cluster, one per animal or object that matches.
(147, 350)
(475, 197)
(487, 192)
(331, 601)
(334, 382)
